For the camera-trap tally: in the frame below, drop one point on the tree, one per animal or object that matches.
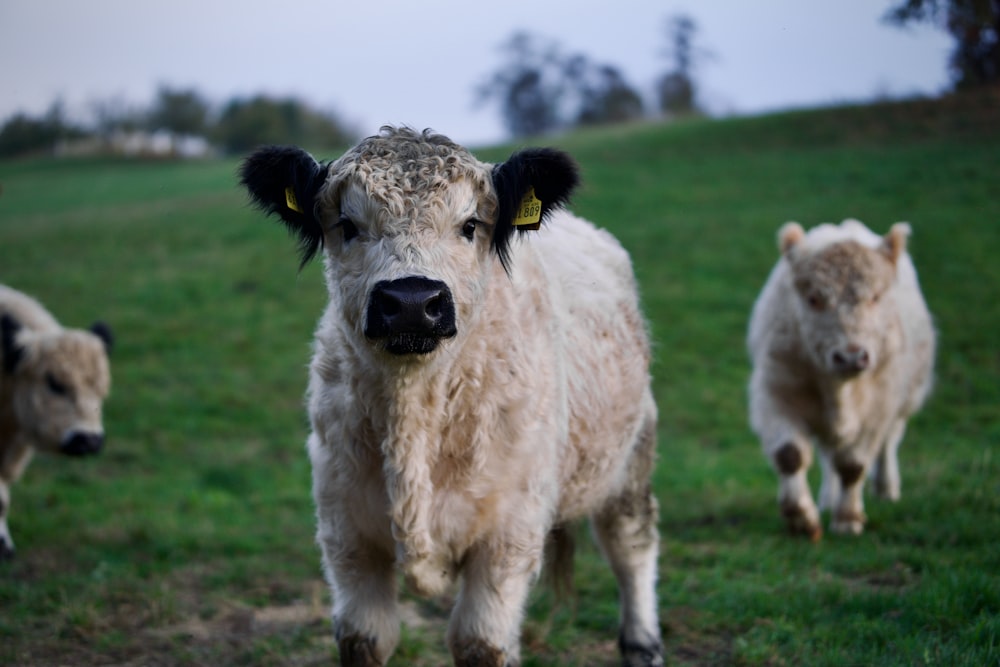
(541, 89)
(975, 25)
(247, 123)
(115, 114)
(179, 111)
(530, 86)
(676, 90)
(605, 96)
(24, 135)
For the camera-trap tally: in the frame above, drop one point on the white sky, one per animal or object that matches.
(418, 62)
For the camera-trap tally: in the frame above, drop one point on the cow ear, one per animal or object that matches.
(540, 178)
(284, 180)
(12, 351)
(894, 243)
(103, 331)
(789, 236)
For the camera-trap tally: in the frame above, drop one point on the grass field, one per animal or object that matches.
(189, 541)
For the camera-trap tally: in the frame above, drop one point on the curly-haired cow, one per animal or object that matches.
(843, 353)
(52, 384)
(471, 388)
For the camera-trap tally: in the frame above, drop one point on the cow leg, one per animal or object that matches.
(6, 541)
(365, 612)
(849, 515)
(789, 452)
(886, 476)
(485, 625)
(625, 529)
(791, 458)
(359, 566)
(363, 587)
(830, 491)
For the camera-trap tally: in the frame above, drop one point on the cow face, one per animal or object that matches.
(60, 381)
(844, 300)
(414, 227)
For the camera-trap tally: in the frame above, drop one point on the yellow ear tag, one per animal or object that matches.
(291, 201)
(529, 213)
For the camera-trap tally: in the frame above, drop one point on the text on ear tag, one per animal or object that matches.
(529, 212)
(291, 201)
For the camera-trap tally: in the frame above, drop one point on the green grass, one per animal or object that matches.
(190, 540)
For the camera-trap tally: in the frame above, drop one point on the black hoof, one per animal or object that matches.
(356, 651)
(640, 654)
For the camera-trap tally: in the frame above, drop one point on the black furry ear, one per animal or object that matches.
(552, 174)
(12, 352)
(284, 180)
(103, 331)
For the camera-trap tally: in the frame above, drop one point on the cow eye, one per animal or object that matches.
(55, 386)
(816, 302)
(469, 228)
(347, 225)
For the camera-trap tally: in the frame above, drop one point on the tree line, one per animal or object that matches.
(239, 125)
(537, 88)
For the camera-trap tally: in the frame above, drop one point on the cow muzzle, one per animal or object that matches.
(410, 315)
(850, 360)
(82, 443)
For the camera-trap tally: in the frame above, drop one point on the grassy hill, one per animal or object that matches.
(190, 540)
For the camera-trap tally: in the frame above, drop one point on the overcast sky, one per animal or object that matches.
(418, 62)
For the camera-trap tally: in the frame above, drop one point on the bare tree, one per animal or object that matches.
(676, 88)
(113, 114)
(540, 89)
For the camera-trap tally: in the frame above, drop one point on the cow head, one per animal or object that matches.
(60, 381)
(844, 297)
(413, 226)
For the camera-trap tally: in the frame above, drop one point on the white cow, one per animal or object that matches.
(470, 389)
(842, 347)
(53, 382)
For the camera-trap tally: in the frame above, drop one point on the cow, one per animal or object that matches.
(476, 383)
(842, 346)
(53, 382)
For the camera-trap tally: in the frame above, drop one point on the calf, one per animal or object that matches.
(470, 390)
(52, 384)
(842, 347)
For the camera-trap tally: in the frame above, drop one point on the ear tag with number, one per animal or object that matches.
(529, 213)
(291, 201)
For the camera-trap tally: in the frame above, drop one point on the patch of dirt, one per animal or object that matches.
(896, 577)
(686, 644)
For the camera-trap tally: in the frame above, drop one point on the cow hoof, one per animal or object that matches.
(635, 654)
(847, 526)
(479, 653)
(802, 522)
(358, 651)
(848, 522)
(6, 551)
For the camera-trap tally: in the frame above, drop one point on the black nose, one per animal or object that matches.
(81, 444)
(851, 359)
(412, 314)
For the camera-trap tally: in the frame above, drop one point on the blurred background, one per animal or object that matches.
(193, 77)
